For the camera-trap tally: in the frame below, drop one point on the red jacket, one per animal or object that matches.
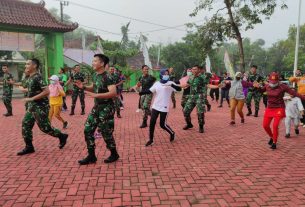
(214, 80)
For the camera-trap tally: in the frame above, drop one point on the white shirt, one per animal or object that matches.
(163, 94)
(293, 107)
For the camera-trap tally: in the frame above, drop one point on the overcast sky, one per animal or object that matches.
(166, 13)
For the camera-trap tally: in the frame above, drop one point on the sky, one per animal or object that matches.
(166, 13)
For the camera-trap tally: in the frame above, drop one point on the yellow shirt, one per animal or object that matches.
(301, 84)
(57, 100)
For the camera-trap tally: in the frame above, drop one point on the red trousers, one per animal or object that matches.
(275, 114)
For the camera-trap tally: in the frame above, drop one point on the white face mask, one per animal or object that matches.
(52, 82)
(189, 73)
(165, 77)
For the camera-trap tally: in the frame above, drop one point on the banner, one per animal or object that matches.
(208, 64)
(144, 49)
(13, 41)
(228, 64)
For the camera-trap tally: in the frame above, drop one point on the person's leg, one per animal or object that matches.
(146, 109)
(82, 101)
(296, 123)
(212, 94)
(51, 113)
(240, 106)
(266, 125)
(189, 106)
(248, 102)
(287, 126)
(106, 126)
(265, 100)
(183, 100)
(232, 109)
(74, 99)
(227, 97)
(276, 123)
(90, 127)
(153, 119)
(222, 96)
(303, 117)
(217, 94)
(27, 133)
(163, 124)
(200, 105)
(57, 111)
(257, 98)
(7, 100)
(64, 106)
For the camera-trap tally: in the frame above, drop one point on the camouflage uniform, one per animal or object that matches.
(24, 84)
(254, 92)
(196, 98)
(172, 77)
(77, 91)
(185, 95)
(7, 92)
(116, 79)
(37, 111)
(101, 115)
(207, 77)
(146, 82)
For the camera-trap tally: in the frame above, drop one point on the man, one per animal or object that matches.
(63, 80)
(116, 80)
(146, 81)
(172, 77)
(103, 91)
(300, 82)
(215, 81)
(37, 109)
(7, 82)
(75, 77)
(198, 85)
(254, 92)
(206, 76)
(226, 85)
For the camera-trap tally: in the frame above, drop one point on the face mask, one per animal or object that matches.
(273, 85)
(189, 73)
(165, 77)
(52, 82)
(237, 78)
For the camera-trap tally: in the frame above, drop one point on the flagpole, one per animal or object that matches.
(297, 41)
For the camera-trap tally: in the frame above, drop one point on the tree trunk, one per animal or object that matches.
(238, 35)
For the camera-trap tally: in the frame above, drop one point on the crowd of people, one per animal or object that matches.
(42, 102)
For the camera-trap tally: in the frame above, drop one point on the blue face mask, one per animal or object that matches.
(165, 77)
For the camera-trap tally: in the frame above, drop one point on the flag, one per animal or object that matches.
(208, 64)
(228, 64)
(99, 46)
(144, 49)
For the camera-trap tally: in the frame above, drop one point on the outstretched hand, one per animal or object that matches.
(79, 84)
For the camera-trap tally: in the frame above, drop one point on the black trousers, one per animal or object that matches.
(224, 94)
(163, 125)
(216, 92)
(303, 118)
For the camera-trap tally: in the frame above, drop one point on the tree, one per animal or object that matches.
(233, 17)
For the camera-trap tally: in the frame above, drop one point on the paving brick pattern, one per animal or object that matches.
(225, 166)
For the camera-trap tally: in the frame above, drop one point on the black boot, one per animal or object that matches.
(144, 124)
(256, 113)
(8, 114)
(62, 140)
(270, 141)
(118, 114)
(249, 112)
(113, 157)
(201, 130)
(273, 146)
(83, 111)
(91, 158)
(72, 111)
(189, 124)
(29, 148)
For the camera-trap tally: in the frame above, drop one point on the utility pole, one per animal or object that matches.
(297, 41)
(62, 4)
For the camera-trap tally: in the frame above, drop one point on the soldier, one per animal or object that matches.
(253, 92)
(186, 90)
(102, 114)
(146, 81)
(77, 76)
(37, 109)
(197, 97)
(7, 90)
(172, 77)
(206, 75)
(116, 79)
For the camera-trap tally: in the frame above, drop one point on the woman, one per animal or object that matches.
(163, 90)
(237, 97)
(276, 107)
(56, 99)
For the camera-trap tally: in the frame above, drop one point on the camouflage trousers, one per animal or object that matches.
(184, 100)
(40, 116)
(197, 100)
(7, 100)
(256, 95)
(101, 117)
(117, 104)
(81, 94)
(145, 105)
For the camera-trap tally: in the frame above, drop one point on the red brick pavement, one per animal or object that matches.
(225, 166)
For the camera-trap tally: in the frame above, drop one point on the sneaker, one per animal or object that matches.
(172, 138)
(287, 135)
(65, 125)
(149, 143)
(296, 131)
(273, 146)
(242, 121)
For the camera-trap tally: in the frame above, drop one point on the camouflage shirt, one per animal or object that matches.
(36, 85)
(7, 87)
(24, 84)
(198, 84)
(147, 82)
(172, 77)
(115, 79)
(100, 85)
(78, 77)
(254, 77)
